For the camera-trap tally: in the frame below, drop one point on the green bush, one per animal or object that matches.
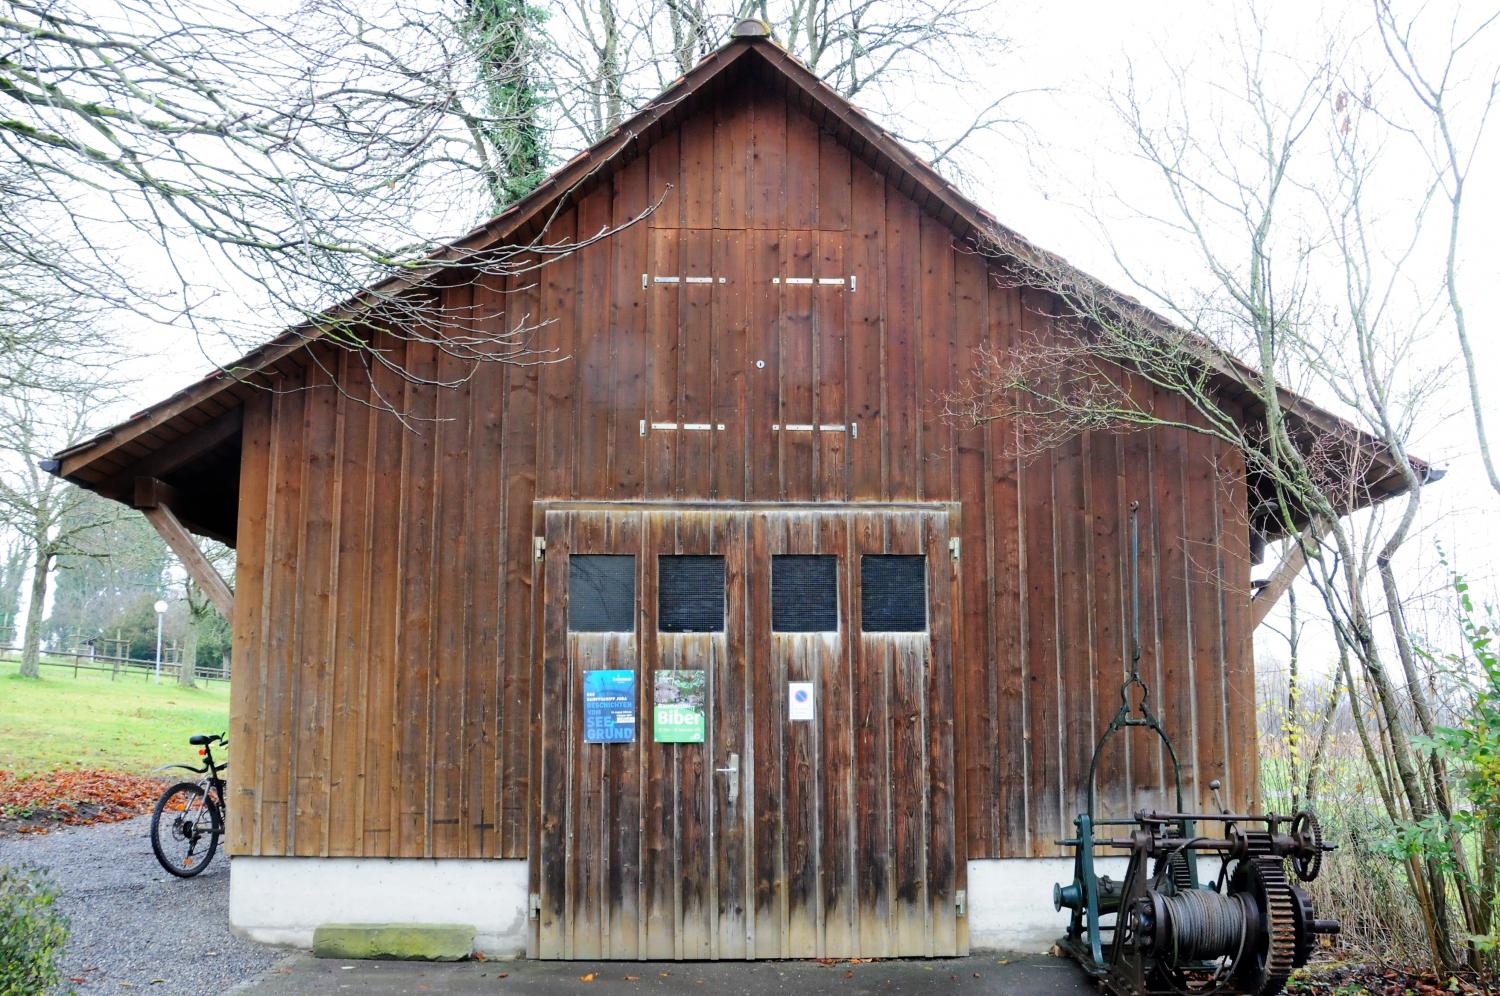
(1470, 749)
(32, 933)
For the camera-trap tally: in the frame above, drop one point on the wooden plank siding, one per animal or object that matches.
(387, 634)
(607, 878)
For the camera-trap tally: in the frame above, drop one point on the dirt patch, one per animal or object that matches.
(1346, 979)
(52, 799)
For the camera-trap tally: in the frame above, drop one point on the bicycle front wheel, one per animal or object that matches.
(185, 828)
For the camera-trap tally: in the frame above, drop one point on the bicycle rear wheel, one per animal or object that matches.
(185, 828)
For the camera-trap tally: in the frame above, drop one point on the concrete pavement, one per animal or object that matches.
(978, 975)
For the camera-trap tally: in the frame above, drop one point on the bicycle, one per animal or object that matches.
(186, 840)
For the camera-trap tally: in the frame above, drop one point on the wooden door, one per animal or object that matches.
(833, 835)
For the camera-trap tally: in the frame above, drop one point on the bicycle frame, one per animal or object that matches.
(211, 782)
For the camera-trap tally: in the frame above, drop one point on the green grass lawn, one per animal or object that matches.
(131, 724)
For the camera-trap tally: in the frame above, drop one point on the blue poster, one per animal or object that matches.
(608, 707)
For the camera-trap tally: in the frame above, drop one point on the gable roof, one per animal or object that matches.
(203, 418)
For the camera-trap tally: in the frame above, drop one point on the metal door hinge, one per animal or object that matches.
(961, 902)
(539, 546)
(817, 281)
(953, 548)
(685, 426)
(534, 905)
(648, 279)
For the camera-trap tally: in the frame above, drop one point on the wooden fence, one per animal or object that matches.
(118, 668)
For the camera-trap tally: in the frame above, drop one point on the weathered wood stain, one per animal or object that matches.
(681, 845)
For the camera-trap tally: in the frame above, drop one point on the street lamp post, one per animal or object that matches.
(161, 611)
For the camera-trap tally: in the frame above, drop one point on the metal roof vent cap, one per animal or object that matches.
(752, 27)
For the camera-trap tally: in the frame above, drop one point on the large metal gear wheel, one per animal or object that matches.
(1265, 969)
(1177, 871)
(1308, 833)
(1306, 938)
(1258, 843)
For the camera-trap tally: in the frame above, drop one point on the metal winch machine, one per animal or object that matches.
(1243, 931)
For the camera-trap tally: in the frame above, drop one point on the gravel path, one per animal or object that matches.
(132, 923)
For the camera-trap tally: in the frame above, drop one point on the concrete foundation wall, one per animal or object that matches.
(282, 900)
(1010, 901)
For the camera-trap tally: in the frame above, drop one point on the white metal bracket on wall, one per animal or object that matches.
(684, 426)
(852, 428)
(647, 280)
(852, 283)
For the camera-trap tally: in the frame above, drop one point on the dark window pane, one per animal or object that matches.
(601, 593)
(690, 594)
(893, 593)
(804, 594)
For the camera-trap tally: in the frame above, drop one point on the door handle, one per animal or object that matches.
(733, 771)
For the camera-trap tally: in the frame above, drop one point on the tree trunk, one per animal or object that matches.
(189, 662)
(1320, 742)
(611, 75)
(1290, 724)
(31, 647)
(1488, 862)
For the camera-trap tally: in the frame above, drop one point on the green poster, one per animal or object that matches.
(678, 716)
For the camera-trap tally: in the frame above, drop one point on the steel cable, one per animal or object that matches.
(1205, 925)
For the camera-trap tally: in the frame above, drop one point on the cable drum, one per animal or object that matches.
(1200, 925)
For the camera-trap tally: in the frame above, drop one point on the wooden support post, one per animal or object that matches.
(154, 498)
(1282, 577)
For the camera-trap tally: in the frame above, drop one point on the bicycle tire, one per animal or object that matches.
(199, 860)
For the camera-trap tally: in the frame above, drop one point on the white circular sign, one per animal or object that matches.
(160, 606)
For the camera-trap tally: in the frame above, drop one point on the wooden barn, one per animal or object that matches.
(710, 638)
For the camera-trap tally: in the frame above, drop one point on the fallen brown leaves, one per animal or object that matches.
(44, 801)
(1379, 980)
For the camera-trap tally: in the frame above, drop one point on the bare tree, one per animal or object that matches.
(1277, 208)
(1439, 86)
(503, 35)
(201, 610)
(691, 32)
(878, 52)
(1299, 716)
(49, 315)
(12, 573)
(47, 512)
(277, 165)
(108, 578)
(298, 160)
(588, 45)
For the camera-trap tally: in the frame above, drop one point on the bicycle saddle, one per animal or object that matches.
(202, 739)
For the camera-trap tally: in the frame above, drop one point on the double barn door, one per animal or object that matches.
(820, 827)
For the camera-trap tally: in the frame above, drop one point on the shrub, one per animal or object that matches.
(32, 933)
(1468, 745)
(1364, 888)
